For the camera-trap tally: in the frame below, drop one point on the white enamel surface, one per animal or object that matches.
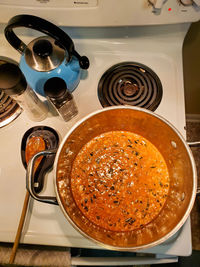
(101, 12)
(45, 223)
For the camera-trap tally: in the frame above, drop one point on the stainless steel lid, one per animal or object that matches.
(44, 54)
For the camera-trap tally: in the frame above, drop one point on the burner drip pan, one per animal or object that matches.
(130, 83)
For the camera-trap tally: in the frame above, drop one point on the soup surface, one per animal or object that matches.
(119, 181)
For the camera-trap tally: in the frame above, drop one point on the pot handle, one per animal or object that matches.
(30, 180)
(195, 144)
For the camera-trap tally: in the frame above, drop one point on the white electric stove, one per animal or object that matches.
(159, 47)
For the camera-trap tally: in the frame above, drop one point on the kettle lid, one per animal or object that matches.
(44, 54)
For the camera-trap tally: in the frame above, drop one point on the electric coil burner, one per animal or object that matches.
(130, 83)
(9, 109)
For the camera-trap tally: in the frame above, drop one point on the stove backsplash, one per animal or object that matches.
(102, 13)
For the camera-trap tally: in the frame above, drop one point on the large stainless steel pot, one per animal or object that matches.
(173, 147)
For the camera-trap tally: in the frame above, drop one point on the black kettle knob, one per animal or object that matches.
(42, 48)
(84, 62)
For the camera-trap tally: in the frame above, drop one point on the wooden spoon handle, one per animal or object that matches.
(20, 227)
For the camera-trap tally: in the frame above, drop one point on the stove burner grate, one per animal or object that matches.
(130, 83)
(9, 109)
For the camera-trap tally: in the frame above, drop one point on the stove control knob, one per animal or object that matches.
(157, 5)
(197, 2)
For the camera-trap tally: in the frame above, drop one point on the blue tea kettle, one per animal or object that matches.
(48, 56)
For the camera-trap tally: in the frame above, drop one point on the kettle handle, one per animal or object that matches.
(42, 25)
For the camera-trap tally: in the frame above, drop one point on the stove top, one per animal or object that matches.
(162, 54)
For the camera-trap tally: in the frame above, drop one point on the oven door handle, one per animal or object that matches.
(30, 178)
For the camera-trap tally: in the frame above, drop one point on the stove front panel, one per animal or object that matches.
(104, 12)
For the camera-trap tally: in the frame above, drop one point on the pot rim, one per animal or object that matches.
(189, 208)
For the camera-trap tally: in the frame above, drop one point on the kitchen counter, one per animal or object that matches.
(193, 134)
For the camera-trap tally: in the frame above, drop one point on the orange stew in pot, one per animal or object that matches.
(120, 181)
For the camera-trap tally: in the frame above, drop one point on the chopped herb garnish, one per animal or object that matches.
(129, 219)
(97, 160)
(110, 171)
(86, 208)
